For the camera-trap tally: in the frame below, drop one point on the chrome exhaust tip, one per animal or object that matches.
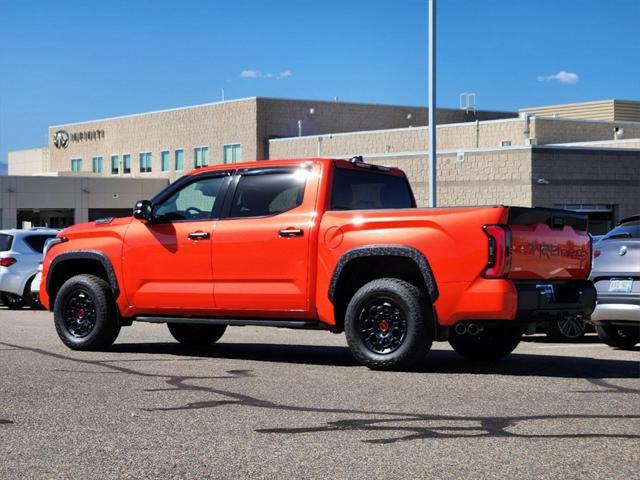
(460, 329)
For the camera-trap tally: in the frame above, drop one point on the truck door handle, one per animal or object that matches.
(198, 235)
(291, 232)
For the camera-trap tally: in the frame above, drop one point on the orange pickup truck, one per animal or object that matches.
(319, 244)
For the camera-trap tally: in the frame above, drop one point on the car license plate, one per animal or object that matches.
(621, 286)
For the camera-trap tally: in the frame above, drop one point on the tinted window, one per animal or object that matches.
(5, 242)
(37, 241)
(358, 190)
(628, 230)
(194, 201)
(264, 194)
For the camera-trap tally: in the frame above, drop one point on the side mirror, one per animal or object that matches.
(142, 210)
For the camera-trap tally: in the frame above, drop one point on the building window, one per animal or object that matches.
(96, 164)
(201, 157)
(145, 162)
(115, 165)
(232, 153)
(180, 160)
(164, 161)
(76, 164)
(126, 163)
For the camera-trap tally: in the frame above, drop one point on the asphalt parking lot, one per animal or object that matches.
(271, 403)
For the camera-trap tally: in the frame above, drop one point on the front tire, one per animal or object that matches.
(195, 335)
(85, 314)
(388, 325)
(491, 343)
(619, 337)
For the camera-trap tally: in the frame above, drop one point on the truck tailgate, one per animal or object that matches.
(548, 244)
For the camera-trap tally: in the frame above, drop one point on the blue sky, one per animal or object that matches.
(80, 60)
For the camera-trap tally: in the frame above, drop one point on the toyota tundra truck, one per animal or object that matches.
(327, 244)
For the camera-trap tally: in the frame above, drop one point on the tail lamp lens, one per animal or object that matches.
(596, 252)
(7, 262)
(499, 262)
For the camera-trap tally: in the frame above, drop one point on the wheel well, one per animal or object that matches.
(66, 269)
(363, 270)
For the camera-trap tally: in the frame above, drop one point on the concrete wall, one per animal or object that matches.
(28, 162)
(212, 125)
(548, 130)
(613, 110)
(463, 136)
(587, 176)
(78, 193)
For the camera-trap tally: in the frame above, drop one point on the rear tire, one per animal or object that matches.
(11, 301)
(619, 337)
(388, 325)
(85, 313)
(492, 343)
(195, 335)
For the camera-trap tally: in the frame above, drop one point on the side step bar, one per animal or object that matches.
(238, 322)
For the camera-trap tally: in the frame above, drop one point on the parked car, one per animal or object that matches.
(324, 244)
(20, 255)
(616, 276)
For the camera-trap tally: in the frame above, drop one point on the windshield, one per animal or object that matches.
(5, 242)
(627, 230)
(357, 190)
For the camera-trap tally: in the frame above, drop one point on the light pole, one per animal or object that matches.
(432, 104)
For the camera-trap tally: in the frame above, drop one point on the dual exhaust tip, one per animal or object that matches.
(468, 329)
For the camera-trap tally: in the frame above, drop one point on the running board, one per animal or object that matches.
(238, 322)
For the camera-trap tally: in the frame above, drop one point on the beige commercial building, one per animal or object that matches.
(581, 156)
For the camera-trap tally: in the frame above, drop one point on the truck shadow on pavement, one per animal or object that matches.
(386, 426)
(436, 362)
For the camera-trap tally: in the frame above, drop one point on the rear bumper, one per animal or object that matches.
(615, 312)
(554, 301)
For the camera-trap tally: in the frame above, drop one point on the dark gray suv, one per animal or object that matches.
(616, 275)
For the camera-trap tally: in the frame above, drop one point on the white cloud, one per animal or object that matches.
(568, 78)
(259, 74)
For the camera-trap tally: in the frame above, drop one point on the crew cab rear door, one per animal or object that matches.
(167, 262)
(261, 248)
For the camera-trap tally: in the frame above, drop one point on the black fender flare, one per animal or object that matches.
(386, 251)
(85, 255)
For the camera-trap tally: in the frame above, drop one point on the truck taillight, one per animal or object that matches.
(499, 262)
(7, 262)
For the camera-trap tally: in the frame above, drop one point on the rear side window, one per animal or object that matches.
(37, 241)
(5, 242)
(627, 230)
(268, 193)
(358, 190)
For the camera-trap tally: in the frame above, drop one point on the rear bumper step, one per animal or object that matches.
(236, 322)
(555, 301)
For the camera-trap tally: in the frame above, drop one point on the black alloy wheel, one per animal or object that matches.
(383, 326)
(79, 313)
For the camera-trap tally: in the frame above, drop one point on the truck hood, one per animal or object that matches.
(92, 228)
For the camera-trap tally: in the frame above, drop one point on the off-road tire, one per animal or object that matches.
(106, 324)
(619, 337)
(195, 335)
(410, 304)
(492, 343)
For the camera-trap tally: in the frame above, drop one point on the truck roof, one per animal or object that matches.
(286, 162)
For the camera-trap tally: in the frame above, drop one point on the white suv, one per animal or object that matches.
(20, 255)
